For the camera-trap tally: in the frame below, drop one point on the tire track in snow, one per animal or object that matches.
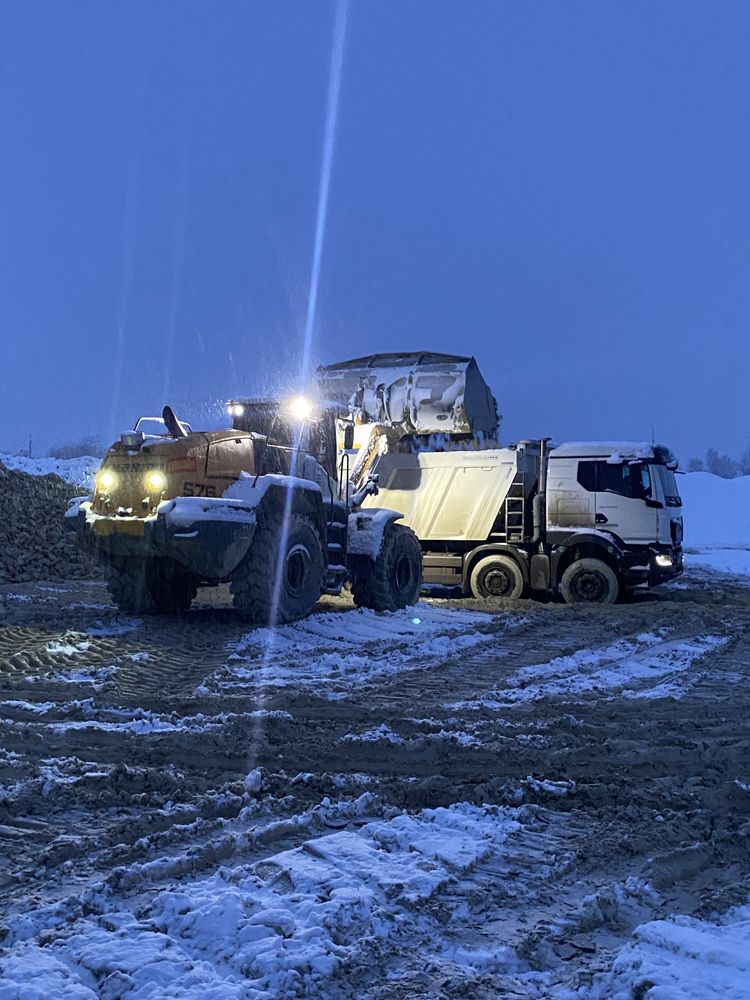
(632, 667)
(289, 923)
(337, 651)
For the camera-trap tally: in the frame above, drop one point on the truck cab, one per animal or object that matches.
(627, 491)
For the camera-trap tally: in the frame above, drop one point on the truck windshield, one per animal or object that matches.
(668, 485)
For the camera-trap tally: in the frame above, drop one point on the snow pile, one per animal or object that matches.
(279, 927)
(683, 959)
(73, 470)
(716, 511)
(717, 522)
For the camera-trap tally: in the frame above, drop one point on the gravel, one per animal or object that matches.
(34, 544)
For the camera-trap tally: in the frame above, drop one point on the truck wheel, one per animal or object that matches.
(393, 580)
(589, 580)
(496, 576)
(302, 573)
(148, 587)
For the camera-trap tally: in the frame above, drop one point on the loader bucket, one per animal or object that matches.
(420, 393)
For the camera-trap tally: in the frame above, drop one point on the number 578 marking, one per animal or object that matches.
(198, 490)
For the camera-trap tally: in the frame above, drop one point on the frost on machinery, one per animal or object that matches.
(257, 506)
(589, 519)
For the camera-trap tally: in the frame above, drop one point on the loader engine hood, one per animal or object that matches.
(139, 472)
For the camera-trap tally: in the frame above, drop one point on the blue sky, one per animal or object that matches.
(560, 189)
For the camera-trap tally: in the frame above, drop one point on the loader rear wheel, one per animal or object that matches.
(589, 581)
(496, 576)
(393, 580)
(151, 586)
(299, 579)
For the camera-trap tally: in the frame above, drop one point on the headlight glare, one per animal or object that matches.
(663, 561)
(300, 409)
(105, 480)
(156, 481)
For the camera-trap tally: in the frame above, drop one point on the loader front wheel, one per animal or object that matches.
(266, 593)
(151, 586)
(172, 588)
(391, 581)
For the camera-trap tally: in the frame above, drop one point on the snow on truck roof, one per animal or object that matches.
(618, 451)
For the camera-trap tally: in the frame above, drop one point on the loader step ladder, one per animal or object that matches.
(336, 529)
(515, 511)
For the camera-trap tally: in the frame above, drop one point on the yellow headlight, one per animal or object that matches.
(105, 480)
(156, 481)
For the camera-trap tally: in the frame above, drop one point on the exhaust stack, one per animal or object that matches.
(172, 424)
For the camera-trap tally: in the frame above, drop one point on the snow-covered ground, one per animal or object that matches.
(438, 802)
(332, 652)
(79, 471)
(681, 959)
(279, 927)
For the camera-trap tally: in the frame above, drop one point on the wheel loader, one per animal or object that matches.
(257, 506)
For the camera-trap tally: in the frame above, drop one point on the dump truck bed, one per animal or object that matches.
(449, 495)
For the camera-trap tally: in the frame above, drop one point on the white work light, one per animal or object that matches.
(300, 408)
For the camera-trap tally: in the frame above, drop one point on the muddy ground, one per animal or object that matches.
(616, 738)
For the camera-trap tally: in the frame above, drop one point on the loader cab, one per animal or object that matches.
(299, 438)
(625, 489)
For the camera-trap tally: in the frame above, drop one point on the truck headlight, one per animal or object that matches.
(664, 561)
(105, 480)
(235, 409)
(156, 481)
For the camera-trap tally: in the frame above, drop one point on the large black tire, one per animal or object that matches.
(496, 576)
(589, 581)
(302, 571)
(151, 586)
(393, 580)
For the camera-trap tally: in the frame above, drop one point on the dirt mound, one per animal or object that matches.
(34, 544)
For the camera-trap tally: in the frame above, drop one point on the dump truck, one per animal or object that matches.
(589, 520)
(257, 506)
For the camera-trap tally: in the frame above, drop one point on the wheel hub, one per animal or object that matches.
(591, 586)
(497, 582)
(296, 569)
